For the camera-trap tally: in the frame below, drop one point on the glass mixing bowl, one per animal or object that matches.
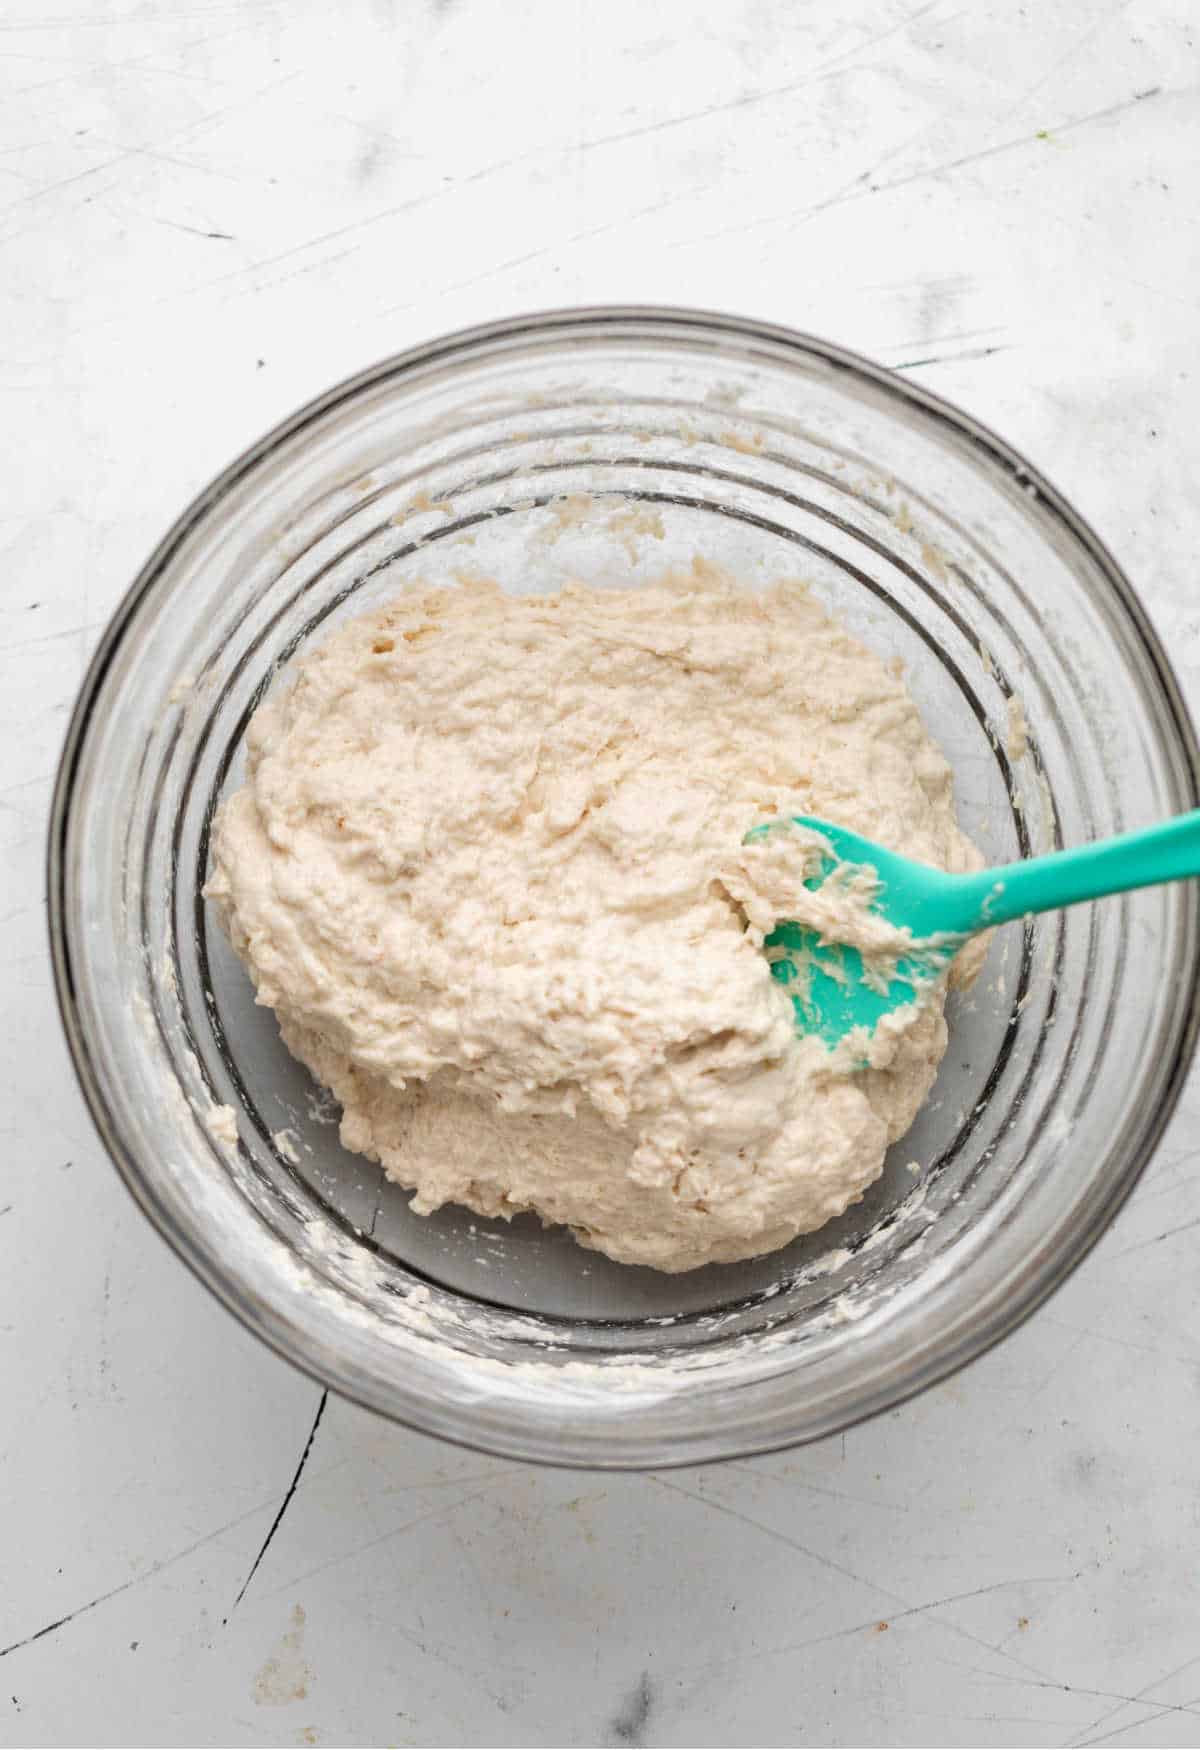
(606, 445)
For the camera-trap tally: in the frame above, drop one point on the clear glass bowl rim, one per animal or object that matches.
(470, 346)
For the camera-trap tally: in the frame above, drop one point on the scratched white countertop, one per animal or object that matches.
(211, 210)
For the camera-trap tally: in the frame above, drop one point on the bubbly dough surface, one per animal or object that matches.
(487, 868)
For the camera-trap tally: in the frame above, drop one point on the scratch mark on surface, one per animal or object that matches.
(1010, 1677)
(1167, 1234)
(1066, 127)
(468, 1672)
(894, 1599)
(1140, 1699)
(748, 100)
(178, 225)
(769, 1531)
(172, 159)
(45, 638)
(952, 358)
(764, 1474)
(137, 1580)
(189, 131)
(916, 1610)
(751, 98)
(441, 1511)
(1129, 1726)
(286, 1502)
(66, 181)
(1117, 1342)
(296, 273)
(561, 243)
(479, 1476)
(341, 231)
(981, 334)
(1063, 1360)
(862, 186)
(1064, 60)
(62, 1621)
(883, 36)
(1168, 1178)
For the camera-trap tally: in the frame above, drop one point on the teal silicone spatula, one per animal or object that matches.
(832, 996)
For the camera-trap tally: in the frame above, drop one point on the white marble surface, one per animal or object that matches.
(211, 209)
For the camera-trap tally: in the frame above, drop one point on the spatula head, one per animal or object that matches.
(831, 989)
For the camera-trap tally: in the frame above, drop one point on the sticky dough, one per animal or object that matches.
(487, 868)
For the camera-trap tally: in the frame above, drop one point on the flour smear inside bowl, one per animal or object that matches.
(487, 867)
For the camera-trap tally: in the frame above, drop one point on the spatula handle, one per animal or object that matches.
(1168, 852)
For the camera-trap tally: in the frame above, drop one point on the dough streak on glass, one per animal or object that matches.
(487, 868)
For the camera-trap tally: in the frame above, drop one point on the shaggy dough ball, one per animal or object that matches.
(487, 868)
